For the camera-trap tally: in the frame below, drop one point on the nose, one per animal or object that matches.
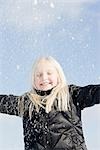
(44, 76)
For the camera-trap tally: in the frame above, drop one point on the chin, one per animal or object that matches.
(46, 88)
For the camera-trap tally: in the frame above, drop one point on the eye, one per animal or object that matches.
(49, 73)
(38, 75)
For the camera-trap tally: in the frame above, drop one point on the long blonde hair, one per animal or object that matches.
(59, 93)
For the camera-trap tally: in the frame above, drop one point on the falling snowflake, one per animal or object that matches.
(63, 29)
(73, 38)
(59, 18)
(35, 41)
(36, 18)
(52, 5)
(92, 66)
(48, 34)
(35, 2)
(18, 67)
(81, 20)
(87, 45)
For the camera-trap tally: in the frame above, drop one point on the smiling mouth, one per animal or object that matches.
(44, 84)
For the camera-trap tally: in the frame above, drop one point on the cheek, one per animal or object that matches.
(36, 82)
(55, 80)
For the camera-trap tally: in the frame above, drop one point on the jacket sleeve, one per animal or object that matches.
(9, 104)
(86, 96)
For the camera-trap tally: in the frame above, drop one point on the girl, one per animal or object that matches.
(51, 111)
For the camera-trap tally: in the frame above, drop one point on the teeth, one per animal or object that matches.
(45, 83)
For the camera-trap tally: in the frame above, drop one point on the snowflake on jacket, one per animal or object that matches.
(56, 130)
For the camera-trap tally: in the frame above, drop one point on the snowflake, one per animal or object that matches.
(52, 5)
(73, 38)
(18, 67)
(35, 2)
(63, 29)
(59, 18)
(48, 34)
(35, 18)
(81, 20)
(35, 41)
(93, 66)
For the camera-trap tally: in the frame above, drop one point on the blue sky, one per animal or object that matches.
(67, 30)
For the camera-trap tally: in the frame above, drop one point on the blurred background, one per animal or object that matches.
(68, 30)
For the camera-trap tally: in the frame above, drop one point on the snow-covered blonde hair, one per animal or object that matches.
(59, 93)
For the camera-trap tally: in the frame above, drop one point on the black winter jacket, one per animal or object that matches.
(56, 130)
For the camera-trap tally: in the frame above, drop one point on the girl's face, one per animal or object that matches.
(46, 76)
